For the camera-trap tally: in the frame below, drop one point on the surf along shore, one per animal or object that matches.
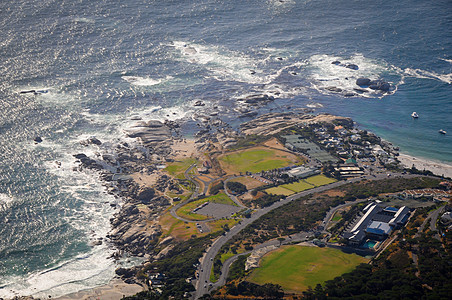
(161, 170)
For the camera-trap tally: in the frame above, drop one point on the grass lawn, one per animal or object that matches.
(177, 228)
(186, 210)
(217, 225)
(255, 160)
(298, 186)
(337, 216)
(297, 267)
(279, 190)
(178, 168)
(319, 180)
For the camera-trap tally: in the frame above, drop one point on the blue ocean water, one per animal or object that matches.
(102, 62)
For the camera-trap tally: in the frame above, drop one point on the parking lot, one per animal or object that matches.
(217, 210)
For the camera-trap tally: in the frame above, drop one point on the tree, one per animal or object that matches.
(236, 187)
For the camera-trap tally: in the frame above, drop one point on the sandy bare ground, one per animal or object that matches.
(437, 168)
(146, 179)
(115, 290)
(184, 148)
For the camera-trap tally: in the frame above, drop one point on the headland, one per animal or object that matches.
(187, 204)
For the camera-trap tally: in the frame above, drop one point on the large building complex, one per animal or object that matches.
(376, 223)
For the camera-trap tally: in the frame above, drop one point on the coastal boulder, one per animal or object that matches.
(379, 85)
(199, 103)
(363, 81)
(352, 66)
(255, 99)
(334, 89)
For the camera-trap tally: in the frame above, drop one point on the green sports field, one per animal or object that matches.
(319, 180)
(296, 268)
(255, 160)
(298, 186)
(279, 191)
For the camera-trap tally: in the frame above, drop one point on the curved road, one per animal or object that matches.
(203, 285)
(234, 198)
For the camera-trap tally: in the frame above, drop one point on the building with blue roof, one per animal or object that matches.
(377, 223)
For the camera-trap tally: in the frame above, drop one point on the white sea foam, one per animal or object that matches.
(224, 64)
(324, 74)
(82, 272)
(5, 201)
(448, 60)
(418, 73)
(145, 81)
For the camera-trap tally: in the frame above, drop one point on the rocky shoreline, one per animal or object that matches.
(135, 227)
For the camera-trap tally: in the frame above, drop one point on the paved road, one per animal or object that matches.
(207, 262)
(193, 196)
(203, 283)
(299, 237)
(329, 215)
(234, 198)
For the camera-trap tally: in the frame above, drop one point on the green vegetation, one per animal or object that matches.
(216, 188)
(319, 180)
(279, 190)
(236, 187)
(301, 185)
(254, 160)
(298, 186)
(177, 265)
(178, 168)
(249, 140)
(302, 214)
(237, 269)
(248, 289)
(337, 216)
(394, 275)
(365, 282)
(295, 268)
(177, 228)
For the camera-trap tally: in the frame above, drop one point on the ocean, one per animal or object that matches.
(97, 64)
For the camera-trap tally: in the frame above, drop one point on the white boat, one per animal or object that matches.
(415, 115)
(442, 131)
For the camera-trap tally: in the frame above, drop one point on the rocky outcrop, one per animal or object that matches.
(348, 66)
(257, 99)
(273, 123)
(87, 162)
(378, 84)
(91, 141)
(150, 132)
(363, 81)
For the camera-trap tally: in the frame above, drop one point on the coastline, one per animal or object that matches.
(115, 289)
(436, 167)
(144, 191)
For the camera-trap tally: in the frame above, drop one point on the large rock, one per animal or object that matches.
(363, 81)
(254, 99)
(150, 132)
(145, 195)
(91, 141)
(379, 85)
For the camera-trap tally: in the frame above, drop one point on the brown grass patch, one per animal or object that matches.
(250, 182)
(333, 193)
